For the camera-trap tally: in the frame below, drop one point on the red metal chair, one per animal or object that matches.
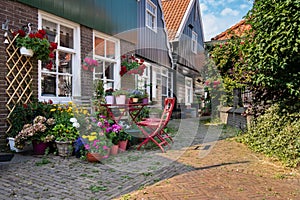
(153, 128)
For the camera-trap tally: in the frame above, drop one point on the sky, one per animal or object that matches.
(219, 15)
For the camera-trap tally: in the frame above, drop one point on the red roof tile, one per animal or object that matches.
(237, 29)
(174, 11)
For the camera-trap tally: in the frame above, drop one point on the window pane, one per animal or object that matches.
(164, 85)
(99, 46)
(110, 49)
(64, 86)
(66, 37)
(65, 63)
(151, 8)
(50, 29)
(109, 70)
(51, 65)
(48, 85)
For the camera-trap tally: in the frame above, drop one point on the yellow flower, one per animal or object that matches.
(92, 138)
(84, 136)
(93, 133)
(52, 110)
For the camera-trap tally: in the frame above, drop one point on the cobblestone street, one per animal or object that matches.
(190, 170)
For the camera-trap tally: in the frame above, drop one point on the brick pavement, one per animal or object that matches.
(191, 170)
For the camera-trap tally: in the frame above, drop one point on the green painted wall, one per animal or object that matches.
(108, 16)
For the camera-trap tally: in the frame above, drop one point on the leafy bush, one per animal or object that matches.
(276, 134)
(25, 113)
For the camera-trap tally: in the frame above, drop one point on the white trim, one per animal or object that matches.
(117, 78)
(76, 61)
(194, 41)
(166, 34)
(186, 90)
(155, 22)
(184, 20)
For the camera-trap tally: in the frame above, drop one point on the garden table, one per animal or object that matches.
(118, 111)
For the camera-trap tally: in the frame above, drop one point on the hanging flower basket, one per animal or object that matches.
(132, 65)
(26, 52)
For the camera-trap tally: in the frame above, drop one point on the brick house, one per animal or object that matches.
(97, 29)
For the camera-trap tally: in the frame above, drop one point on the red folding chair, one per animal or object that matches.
(153, 128)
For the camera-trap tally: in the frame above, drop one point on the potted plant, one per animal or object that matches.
(65, 130)
(97, 146)
(145, 97)
(39, 132)
(110, 99)
(120, 96)
(89, 64)
(37, 42)
(123, 139)
(135, 95)
(111, 130)
(131, 65)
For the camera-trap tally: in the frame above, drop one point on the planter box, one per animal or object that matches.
(27, 147)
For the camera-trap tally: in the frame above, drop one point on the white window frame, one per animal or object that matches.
(76, 63)
(165, 74)
(144, 79)
(150, 13)
(194, 42)
(188, 91)
(117, 78)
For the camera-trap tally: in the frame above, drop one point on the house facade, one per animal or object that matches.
(185, 33)
(82, 29)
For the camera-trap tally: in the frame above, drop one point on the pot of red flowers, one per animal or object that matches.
(35, 44)
(132, 65)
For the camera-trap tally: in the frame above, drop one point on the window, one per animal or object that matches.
(56, 81)
(194, 42)
(151, 15)
(106, 50)
(188, 90)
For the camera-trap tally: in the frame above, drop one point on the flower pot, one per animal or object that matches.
(39, 148)
(27, 147)
(121, 99)
(93, 157)
(123, 145)
(134, 100)
(64, 148)
(114, 149)
(26, 52)
(110, 99)
(145, 101)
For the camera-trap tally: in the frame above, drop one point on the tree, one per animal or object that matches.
(272, 52)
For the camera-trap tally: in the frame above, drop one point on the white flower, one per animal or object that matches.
(73, 120)
(76, 125)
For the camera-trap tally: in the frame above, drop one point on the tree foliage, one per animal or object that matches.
(272, 52)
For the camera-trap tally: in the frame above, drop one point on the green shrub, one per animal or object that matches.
(276, 134)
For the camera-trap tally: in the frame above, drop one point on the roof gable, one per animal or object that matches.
(175, 14)
(238, 29)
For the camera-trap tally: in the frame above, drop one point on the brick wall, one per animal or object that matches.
(233, 117)
(18, 16)
(86, 51)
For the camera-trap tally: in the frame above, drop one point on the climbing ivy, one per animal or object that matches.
(272, 51)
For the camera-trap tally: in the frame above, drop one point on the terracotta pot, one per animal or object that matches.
(123, 145)
(134, 100)
(114, 149)
(93, 157)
